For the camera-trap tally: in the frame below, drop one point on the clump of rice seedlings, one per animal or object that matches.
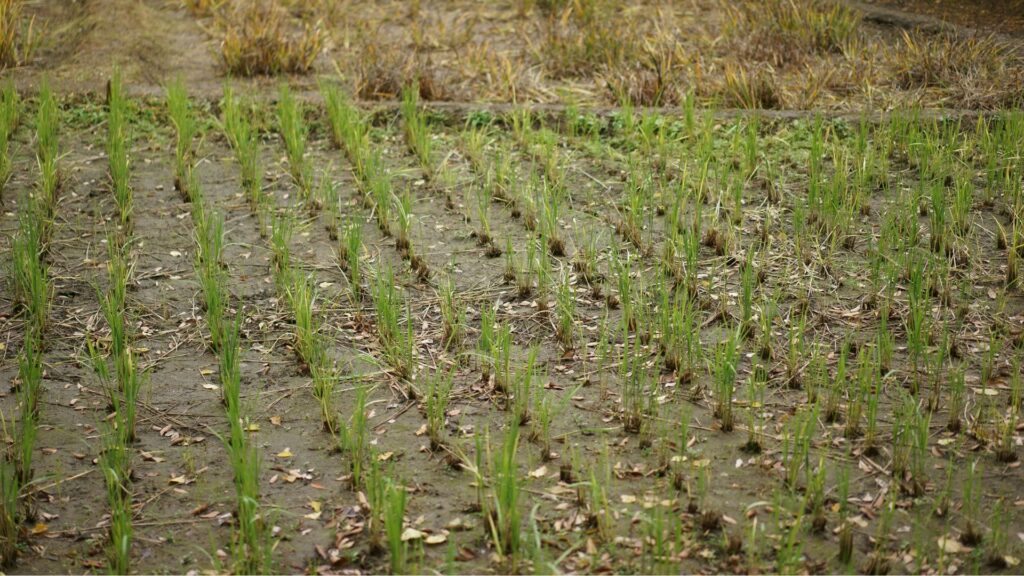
(379, 188)
(10, 516)
(501, 357)
(10, 113)
(453, 315)
(795, 349)
(845, 527)
(636, 379)
(394, 520)
(350, 253)
(565, 330)
(114, 307)
(47, 156)
(261, 38)
(483, 204)
(755, 409)
(403, 242)
(486, 342)
(29, 274)
(281, 231)
(747, 286)
(417, 133)
(292, 127)
(117, 148)
(543, 275)
(114, 463)
(621, 271)
(796, 444)
(436, 405)
(997, 542)
(726, 367)
(971, 506)
(956, 401)
(250, 547)
(525, 273)
(353, 441)
(523, 389)
(30, 379)
(836, 386)
(397, 340)
(549, 200)
(348, 129)
(185, 128)
(209, 270)
(503, 515)
(244, 139)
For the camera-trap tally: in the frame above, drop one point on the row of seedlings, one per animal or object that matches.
(116, 368)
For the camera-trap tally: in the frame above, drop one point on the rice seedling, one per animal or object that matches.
(10, 516)
(29, 273)
(503, 515)
(565, 331)
(417, 133)
(47, 157)
(185, 129)
(244, 140)
(292, 127)
(118, 142)
(209, 270)
(353, 441)
(436, 406)
(394, 520)
(397, 340)
(726, 360)
(971, 506)
(10, 113)
(30, 379)
(350, 254)
(453, 315)
(114, 465)
(523, 389)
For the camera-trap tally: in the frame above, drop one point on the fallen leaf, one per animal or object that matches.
(952, 546)
(412, 534)
(286, 453)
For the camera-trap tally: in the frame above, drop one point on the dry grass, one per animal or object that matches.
(786, 32)
(261, 38)
(750, 87)
(970, 71)
(17, 38)
(586, 36)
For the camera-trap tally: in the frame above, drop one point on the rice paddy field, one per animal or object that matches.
(532, 286)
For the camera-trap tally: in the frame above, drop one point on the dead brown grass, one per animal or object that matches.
(17, 37)
(789, 32)
(261, 38)
(969, 71)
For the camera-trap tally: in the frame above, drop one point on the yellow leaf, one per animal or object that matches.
(286, 453)
(39, 528)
